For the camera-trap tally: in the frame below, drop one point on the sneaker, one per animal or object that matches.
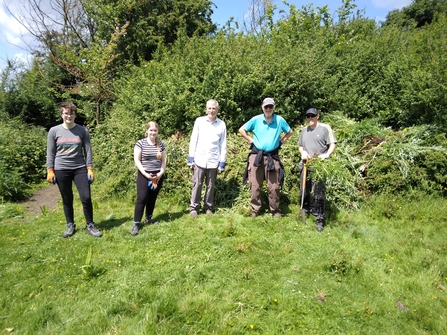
(277, 215)
(92, 230)
(71, 228)
(193, 214)
(253, 215)
(135, 229)
(209, 212)
(320, 225)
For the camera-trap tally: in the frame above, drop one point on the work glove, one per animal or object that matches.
(51, 178)
(191, 162)
(90, 175)
(304, 155)
(324, 156)
(152, 184)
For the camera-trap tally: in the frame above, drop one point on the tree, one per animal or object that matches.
(418, 13)
(91, 40)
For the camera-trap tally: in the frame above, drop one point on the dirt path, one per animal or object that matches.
(47, 198)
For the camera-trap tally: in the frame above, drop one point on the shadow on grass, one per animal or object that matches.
(170, 216)
(112, 223)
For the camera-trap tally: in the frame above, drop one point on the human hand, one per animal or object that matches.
(90, 175)
(219, 170)
(221, 167)
(152, 183)
(51, 178)
(324, 156)
(304, 155)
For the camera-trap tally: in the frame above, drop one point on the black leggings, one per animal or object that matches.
(65, 180)
(146, 197)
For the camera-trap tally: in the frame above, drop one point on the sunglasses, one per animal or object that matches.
(308, 116)
(268, 106)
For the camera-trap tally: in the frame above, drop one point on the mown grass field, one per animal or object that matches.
(381, 270)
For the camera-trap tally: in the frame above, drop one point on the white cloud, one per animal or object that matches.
(12, 30)
(392, 4)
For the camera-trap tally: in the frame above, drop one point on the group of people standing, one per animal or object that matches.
(69, 159)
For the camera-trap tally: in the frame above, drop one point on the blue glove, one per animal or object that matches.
(152, 184)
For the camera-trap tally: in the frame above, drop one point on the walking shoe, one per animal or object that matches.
(193, 214)
(320, 225)
(149, 220)
(71, 228)
(253, 215)
(209, 212)
(277, 215)
(135, 229)
(92, 230)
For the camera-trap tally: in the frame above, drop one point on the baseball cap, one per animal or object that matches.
(268, 101)
(311, 111)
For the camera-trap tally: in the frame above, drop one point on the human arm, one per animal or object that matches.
(164, 157)
(245, 135)
(223, 150)
(286, 136)
(329, 152)
(193, 144)
(138, 163)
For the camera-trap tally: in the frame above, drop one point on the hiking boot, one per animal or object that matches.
(193, 214)
(149, 220)
(209, 212)
(320, 225)
(71, 228)
(92, 230)
(135, 229)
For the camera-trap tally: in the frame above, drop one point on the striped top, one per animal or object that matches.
(149, 152)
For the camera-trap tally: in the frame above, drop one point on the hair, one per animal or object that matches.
(68, 105)
(157, 141)
(213, 101)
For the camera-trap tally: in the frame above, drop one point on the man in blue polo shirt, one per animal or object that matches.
(263, 161)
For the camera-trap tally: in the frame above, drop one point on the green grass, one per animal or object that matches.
(227, 274)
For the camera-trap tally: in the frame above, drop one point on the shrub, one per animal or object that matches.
(22, 158)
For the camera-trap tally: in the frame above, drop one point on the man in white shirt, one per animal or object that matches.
(207, 156)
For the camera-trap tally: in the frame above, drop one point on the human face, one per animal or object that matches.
(67, 116)
(268, 110)
(312, 119)
(211, 110)
(152, 132)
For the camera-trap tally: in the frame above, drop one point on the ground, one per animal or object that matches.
(44, 199)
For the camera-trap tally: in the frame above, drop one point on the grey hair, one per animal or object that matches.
(213, 101)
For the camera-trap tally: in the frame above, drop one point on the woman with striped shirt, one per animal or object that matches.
(150, 160)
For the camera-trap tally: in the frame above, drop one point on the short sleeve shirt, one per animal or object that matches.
(316, 141)
(266, 136)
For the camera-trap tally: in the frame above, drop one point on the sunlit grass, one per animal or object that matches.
(374, 271)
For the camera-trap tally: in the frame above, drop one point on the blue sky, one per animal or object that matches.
(11, 44)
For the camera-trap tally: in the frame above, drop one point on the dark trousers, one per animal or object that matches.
(65, 179)
(146, 197)
(314, 194)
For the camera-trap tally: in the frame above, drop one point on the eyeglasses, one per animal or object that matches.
(68, 114)
(268, 106)
(309, 116)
